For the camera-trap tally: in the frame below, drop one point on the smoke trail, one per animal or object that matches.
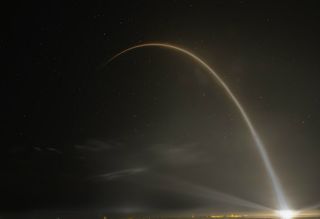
(311, 207)
(259, 144)
(186, 187)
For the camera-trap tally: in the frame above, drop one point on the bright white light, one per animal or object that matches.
(286, 214)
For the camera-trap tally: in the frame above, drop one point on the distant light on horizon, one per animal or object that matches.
(286, 214)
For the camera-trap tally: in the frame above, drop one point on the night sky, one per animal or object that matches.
(151, 131)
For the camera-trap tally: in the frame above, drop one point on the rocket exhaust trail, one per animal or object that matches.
(200, 191)
(259, 144)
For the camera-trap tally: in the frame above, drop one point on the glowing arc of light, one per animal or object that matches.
(258, 142)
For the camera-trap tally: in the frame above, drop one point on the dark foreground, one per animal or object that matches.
(103, 215)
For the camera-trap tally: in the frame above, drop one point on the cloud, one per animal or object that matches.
(121, 173)
(48, 149)
(182, 154)
(52, 149)
(94, 145)
(37, 148)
